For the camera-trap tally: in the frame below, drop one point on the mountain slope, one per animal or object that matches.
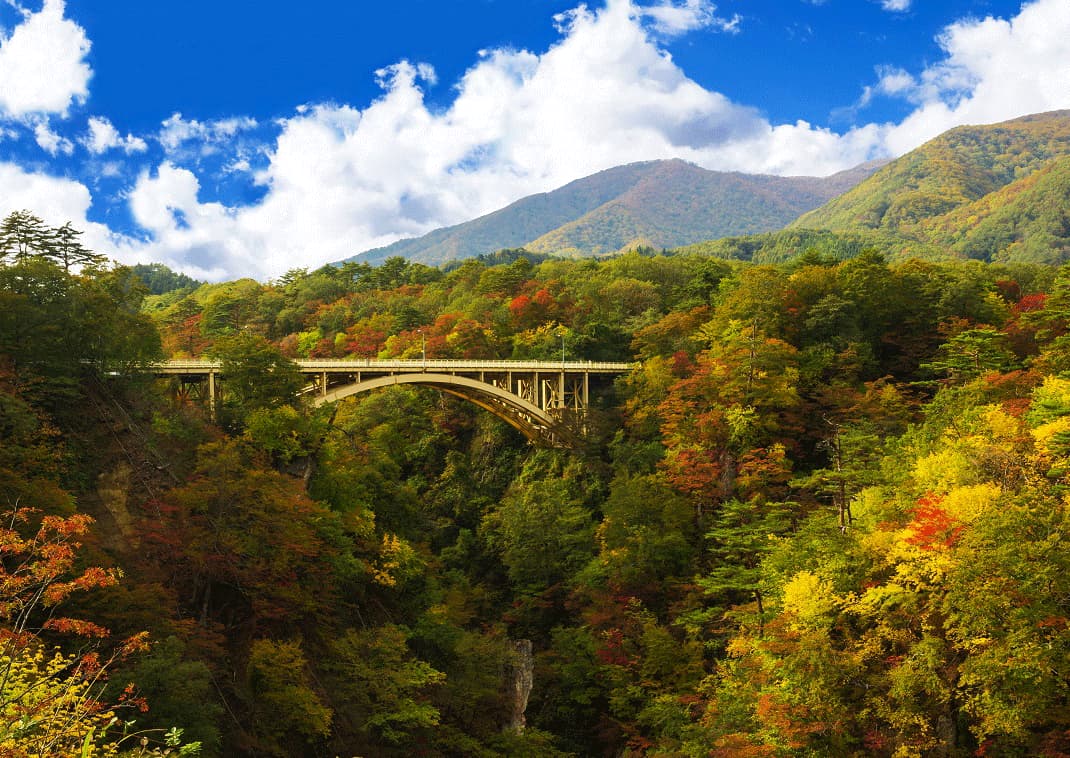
(947, 173)
(1028, 220)
(515, 224)
(659, 203)
(678, 203)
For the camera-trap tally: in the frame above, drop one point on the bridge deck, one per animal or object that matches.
(190, 367)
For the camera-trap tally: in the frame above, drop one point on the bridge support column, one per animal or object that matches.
(211, 395)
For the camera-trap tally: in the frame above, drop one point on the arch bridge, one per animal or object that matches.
(547, 401)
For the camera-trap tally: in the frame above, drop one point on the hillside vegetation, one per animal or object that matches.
(824, 515)
(680, 203)
(657, 204)
(994, 192)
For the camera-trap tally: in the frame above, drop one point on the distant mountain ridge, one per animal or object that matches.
(661, 204)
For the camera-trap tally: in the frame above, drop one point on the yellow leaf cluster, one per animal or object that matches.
(47, 708)
(396, 559)
(811, 600)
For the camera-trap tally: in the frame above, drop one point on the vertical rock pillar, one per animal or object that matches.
(523, 677)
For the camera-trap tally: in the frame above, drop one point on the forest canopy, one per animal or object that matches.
(824, 514)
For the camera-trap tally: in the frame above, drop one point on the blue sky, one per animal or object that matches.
(243, 138)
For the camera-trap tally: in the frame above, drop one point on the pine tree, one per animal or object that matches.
(69, 251)
(23, 235)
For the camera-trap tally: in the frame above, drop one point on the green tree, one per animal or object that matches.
(740, 536)
(69, 251)
(288, 712)
(179, 689)
(644, 538)
(24, 235)
(256, 375)
(383, 688)
(541, 528)
(971, 353)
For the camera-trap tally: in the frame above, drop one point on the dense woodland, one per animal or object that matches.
(826, 514)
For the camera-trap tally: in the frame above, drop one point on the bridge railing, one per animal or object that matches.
(194, 366)
(464, 365)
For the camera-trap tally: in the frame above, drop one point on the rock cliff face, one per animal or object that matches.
(523, 679)
(113, 489)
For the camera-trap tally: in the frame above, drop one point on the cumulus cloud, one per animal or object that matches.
(58, 200)
(341, 179)
(895, 81)
(896, 6)
(205, 239)
(49, 141)
(103, 136)
(995, 69)
(42, 63)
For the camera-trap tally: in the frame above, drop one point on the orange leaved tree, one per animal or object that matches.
(49, 698)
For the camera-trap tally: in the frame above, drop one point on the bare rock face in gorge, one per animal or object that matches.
(522, 673)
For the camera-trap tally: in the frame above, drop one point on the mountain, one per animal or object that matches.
(655, 203)
(998, 192)
(1027, 220)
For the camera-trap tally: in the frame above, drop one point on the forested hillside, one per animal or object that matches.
(824, 515)
(680, 203)
(655, 204)
(995, 193)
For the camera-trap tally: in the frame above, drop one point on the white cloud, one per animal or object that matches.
(49, 141)
(891, 82)
(995, 69)
(203, 239)
(341, 179)
(675, 18)
(238, 166)
(895, 81)
(42, 63)
(54, 199)
(58, 200)
(896, 6)
(103, 136)
(176, 131)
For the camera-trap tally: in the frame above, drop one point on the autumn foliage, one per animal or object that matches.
(823, 515)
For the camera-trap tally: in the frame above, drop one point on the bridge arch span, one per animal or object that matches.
(530, 420)
(545, 400)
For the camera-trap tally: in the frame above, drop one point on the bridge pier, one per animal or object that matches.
(211, 395)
